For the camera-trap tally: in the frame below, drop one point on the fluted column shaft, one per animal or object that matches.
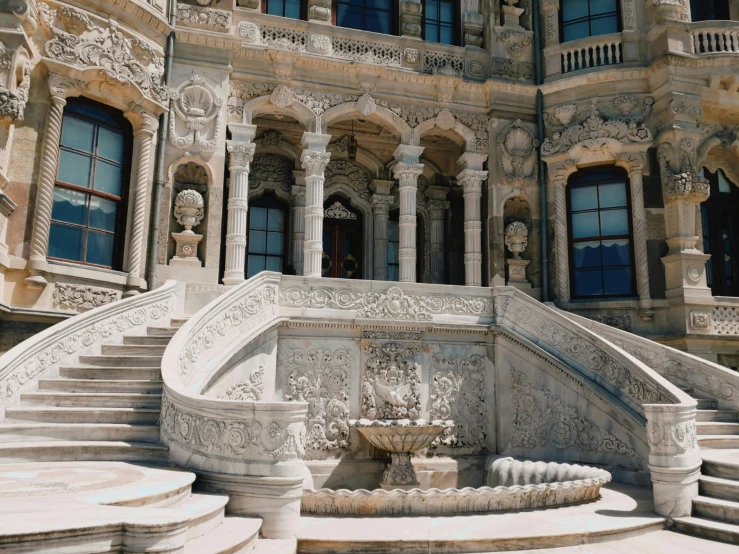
(381, 208)
(407, 175)
(298, 224)
(436, 210)
(314, 160)
(240, 155)
(639, 221)
(471, 182)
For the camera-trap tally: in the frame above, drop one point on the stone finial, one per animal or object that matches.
(189, 209)
(516, 238)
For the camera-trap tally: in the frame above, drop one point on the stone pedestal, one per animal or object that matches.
(685, 275)
(517, 273)
(186, 253)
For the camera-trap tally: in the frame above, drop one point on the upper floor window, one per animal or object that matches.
(366, 15)
(601, 253)
(266, 246)
(284, 8)
(709, 10)
(720, 226)
(440, 21)
(588, 18)
(87, 216)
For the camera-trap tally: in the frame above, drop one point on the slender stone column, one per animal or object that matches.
(298, 216)
(60, 88)
(471, 182)
(381, 208)
(437, 211)
(314, 160)
(407, 171)
(639, 222)
(239, 160)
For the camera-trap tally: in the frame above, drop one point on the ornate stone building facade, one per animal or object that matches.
(209, 140)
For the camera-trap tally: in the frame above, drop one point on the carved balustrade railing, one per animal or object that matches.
(60, 344)
(591, 52)
(714, 37)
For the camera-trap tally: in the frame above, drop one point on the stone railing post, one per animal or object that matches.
(145, 125)
(240, 155)
(60, 88)
(674, 457)
(381, 208)
(314, 160)
(407, 171)
(298, 224)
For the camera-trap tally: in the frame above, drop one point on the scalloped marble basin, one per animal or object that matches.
(400, 437)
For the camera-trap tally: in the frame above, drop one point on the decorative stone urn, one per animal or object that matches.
(400, 437)
(189, 210)
(516, 239)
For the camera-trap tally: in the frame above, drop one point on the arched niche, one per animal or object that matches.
(189, 175)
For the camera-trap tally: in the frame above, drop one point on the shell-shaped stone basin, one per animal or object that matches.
(401, 435)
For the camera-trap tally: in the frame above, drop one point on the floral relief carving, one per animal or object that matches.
(391, 335)
(617, 320)
(338, 211)
(204, 18)
(542, 419)
(271, 168)
(512, 69)
(681, 179)
(320, 378)
(457, 392)
(13, 102)
(348, 172)
(673, 435)
(516, 42)
(197, 106)
(80, 297)
(517, 155)
(252, 389)
(77, 41)
(391, 384)
(250, 32)
(700, 320)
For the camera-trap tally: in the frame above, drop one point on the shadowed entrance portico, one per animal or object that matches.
(342, 240)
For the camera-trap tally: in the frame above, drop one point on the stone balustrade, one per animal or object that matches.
(591, 52)
(714, 37)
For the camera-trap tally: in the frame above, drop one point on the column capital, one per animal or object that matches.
(316, 142)
(407, 153)
(472, 160)
(314, 163)
(404, 171)
(381, 203)
(240, 154)
(381, 186)
(298, 195)
(142, 120)
(471, 180)
(436, 208)
(61, 86)
(242, 132)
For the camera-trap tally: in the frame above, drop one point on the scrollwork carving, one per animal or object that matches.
(517, 155)
(391, 384)
(204, 18)
(271, 168)
(197, 105)
(252, 389)
(80, 297)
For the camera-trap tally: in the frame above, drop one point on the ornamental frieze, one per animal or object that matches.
(79, 297)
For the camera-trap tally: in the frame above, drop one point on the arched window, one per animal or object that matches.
(88, 214)
(720, 224)
(267, 232)
(366, 15)
(601, 249)
(284, 8)
(588, 18)
(440, 22)
(709, 10)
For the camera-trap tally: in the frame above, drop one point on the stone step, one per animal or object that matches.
(101, 386)
(234, 535)
(35, 432)
(717, 509)
(718, 441)
(718, 487)
(206, 511)
(728, 416)
(707, 404)
(716, 428)
(720, 468)
(707, 528)
(161, 331)
(133, 416)
(122, 361)
(132, 349)
(68, 451)
(146, 340)
(687, 390)
(92, 400)
(111, 373)
(276, 546)
(178, 321)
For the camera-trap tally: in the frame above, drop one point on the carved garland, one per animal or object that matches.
(81, 298)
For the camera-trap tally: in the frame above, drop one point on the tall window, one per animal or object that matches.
(366, 15)
(709, 10)
(266, 236)
(601, 253)
(440, 21)
(588, 18)
(720, 223)
(284, 8)
(393, 248)
(87, 216)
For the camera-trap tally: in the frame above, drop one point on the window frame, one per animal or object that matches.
(394, 17)
(455, 24)
(589, 19)
(119, 232)
(593, 177)
(303, 10)
(276, 203)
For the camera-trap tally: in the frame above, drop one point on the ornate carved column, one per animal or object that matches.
(298, 224)
(240, 155)
(410, 18)
(145, 124)
(471, 182)
(381, 208)
(407, 171)
(552, 55)
(436, 210)
(558, 174)
(60, 88)
(314, 160)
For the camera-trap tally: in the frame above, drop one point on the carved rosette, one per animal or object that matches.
(391, 384)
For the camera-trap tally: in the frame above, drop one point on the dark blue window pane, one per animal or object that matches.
(111, 145)
(588, 282)
(612, 195)
(446, 36)
(585, 225)
(258, 218)
(617, 281)
(574, 9)
(103, 213)
(432, 9)
(258, 242)
(614, 222)
(393, 273)
(586, 254)
(432, 32)
(274, 244)
(292, 9)
(66, 242)
(350, 17)
(100, 248)
(276, 220)
(377, 4)
(575, 31)
(446, 12)
(616, 252)
(69, 206)
(78, 134)
(602, 6)
(74, 168)
(583, 198)
(255, 265)
(273, 264)
(108, 178)
(379, 22)
(604, 26)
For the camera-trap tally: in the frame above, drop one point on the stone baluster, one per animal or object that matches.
(240, 155)
(298, 223)
(314, 160)
(407, 171)
(381, 208)
(146, 125)
(674, 457)
(436, 210)
(60, 88)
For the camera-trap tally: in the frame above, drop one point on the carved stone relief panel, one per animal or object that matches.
(196, 117)
(391, 381)
(68, 296)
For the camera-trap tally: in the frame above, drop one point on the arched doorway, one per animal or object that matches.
(343, 241)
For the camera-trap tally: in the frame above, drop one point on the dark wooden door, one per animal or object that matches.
(342, 245)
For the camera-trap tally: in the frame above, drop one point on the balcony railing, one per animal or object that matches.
(592, 52)
(714, 37)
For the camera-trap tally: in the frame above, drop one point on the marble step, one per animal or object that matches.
(206, 512)
(707, 404)
(101, 385)
(234, 535)
(725, 469)
(161, 331)
(146, 340)
(35, 432)
(178, 322)
(122, 361)
(140, 416)
(707, 528)
(92, 400)
(718, 487)
(718, 441)
(67, 451)
(718, 509)
(728, 416)
(132, 349)
(276, 546)
(716, 428)
(111, 373)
